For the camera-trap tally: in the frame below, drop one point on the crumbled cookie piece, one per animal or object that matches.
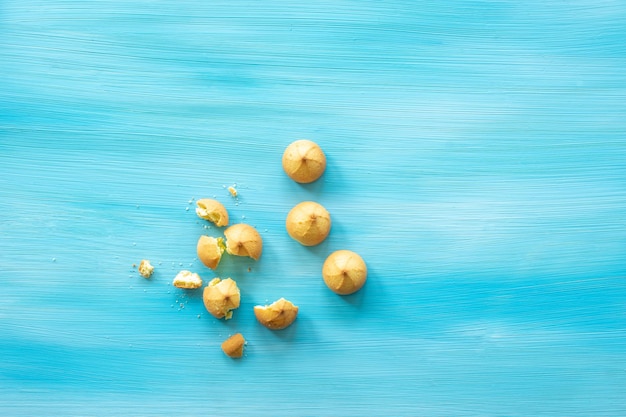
(220, 297)
(145, 268)
(277, 315)
(233, 346)
(187, 280)
(213, 211)
(210, 250)
(243, 240)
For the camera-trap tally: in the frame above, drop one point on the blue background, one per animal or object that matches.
(476, 160)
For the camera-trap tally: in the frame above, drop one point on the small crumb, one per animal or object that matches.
(249, 269)
(199, 316)
(145, 268)
(186, 208)
(134, 266)
(233, 191)
(54, 259)
(134, 243)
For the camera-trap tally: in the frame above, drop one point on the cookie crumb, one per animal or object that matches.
(145, 268)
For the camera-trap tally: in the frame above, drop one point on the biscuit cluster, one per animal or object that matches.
(308, 223)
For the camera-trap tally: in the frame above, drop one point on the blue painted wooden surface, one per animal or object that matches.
(476, 160)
